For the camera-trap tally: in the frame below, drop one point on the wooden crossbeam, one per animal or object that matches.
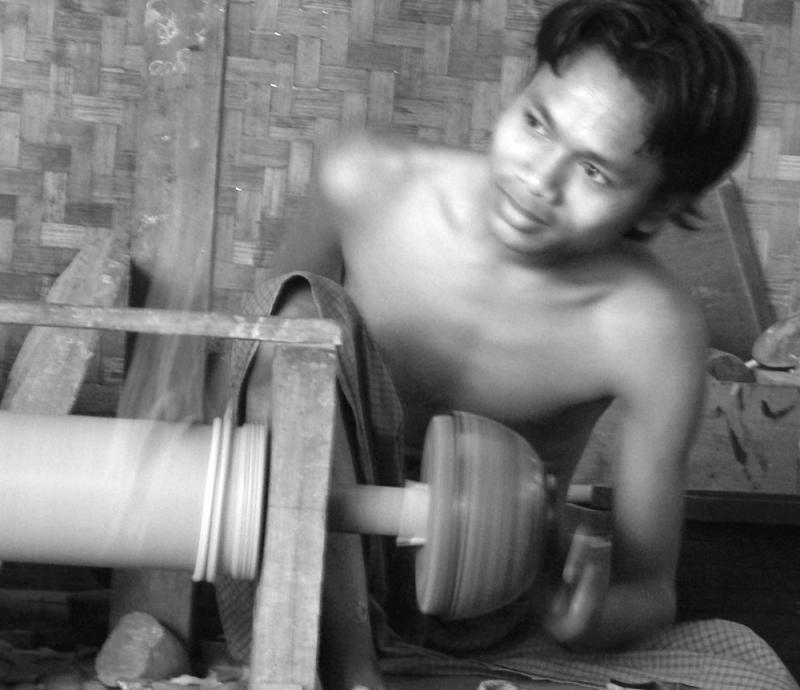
(313, 332)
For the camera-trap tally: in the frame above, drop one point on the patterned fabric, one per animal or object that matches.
(712, 655)
(372, 402)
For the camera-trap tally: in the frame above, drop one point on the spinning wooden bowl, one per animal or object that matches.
(479, 515)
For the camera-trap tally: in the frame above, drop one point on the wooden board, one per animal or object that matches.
(176, 171)
(715, 505)
(276, 329)
(718, 263)
(747, 442)
(288, 602)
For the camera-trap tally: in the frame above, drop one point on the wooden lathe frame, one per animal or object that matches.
(288, 601)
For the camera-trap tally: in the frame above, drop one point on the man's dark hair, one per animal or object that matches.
(693, 72)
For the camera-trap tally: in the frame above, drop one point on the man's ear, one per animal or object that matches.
(668, 208)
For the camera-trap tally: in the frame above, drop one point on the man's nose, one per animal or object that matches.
(543, 174)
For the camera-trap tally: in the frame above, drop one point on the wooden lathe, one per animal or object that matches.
(478, 517)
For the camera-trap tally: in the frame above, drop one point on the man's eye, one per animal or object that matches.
(534, 123)
(595, 174)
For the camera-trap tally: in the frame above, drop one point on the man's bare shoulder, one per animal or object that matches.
(652, 320)
(365, 169)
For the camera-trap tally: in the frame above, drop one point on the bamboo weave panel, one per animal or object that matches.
(300, 72)
(297, 73)
(70, 76)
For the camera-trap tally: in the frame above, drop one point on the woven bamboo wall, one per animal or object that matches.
(300, 72)
(69, 83)
(297, 73)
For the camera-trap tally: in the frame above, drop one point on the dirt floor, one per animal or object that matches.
(54, 621)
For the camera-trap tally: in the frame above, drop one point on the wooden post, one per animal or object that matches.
(288, 601)
(176, 171)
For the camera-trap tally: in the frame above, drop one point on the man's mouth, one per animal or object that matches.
(532, 212)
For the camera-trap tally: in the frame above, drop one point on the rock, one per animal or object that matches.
(92, 685)
(66, 680)
(140, 647)
(724, 366)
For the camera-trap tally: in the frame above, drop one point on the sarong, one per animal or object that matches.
(712, 655)
(366, 388)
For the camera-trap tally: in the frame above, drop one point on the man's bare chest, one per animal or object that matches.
(456, 335)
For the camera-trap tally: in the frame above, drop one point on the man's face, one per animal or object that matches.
(569, 173)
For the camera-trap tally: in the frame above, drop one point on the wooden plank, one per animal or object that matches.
(747, 442)
(176, 169)
(719, 506)
(174, 195)
(718, 263)
(288, 602)
(169, 321)
(51, 365)
(740, 506)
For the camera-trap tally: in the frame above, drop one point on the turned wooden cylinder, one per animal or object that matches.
(132, 493)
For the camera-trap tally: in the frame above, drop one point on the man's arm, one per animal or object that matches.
(660, 382)
(311, 242)
(350, 176)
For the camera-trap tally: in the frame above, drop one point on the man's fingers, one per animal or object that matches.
(585, 580)
(584, 548)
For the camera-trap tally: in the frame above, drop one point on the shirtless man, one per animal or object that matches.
(511, 283)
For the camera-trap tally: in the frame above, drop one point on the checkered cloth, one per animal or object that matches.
(713, 655)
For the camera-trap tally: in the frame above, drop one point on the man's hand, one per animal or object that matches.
(578, 599)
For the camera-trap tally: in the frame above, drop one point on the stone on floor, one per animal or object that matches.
(139, 647)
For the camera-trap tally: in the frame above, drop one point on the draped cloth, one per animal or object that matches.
(713, 655)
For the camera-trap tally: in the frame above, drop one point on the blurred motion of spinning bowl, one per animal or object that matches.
(487, 516)
(478, 516)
